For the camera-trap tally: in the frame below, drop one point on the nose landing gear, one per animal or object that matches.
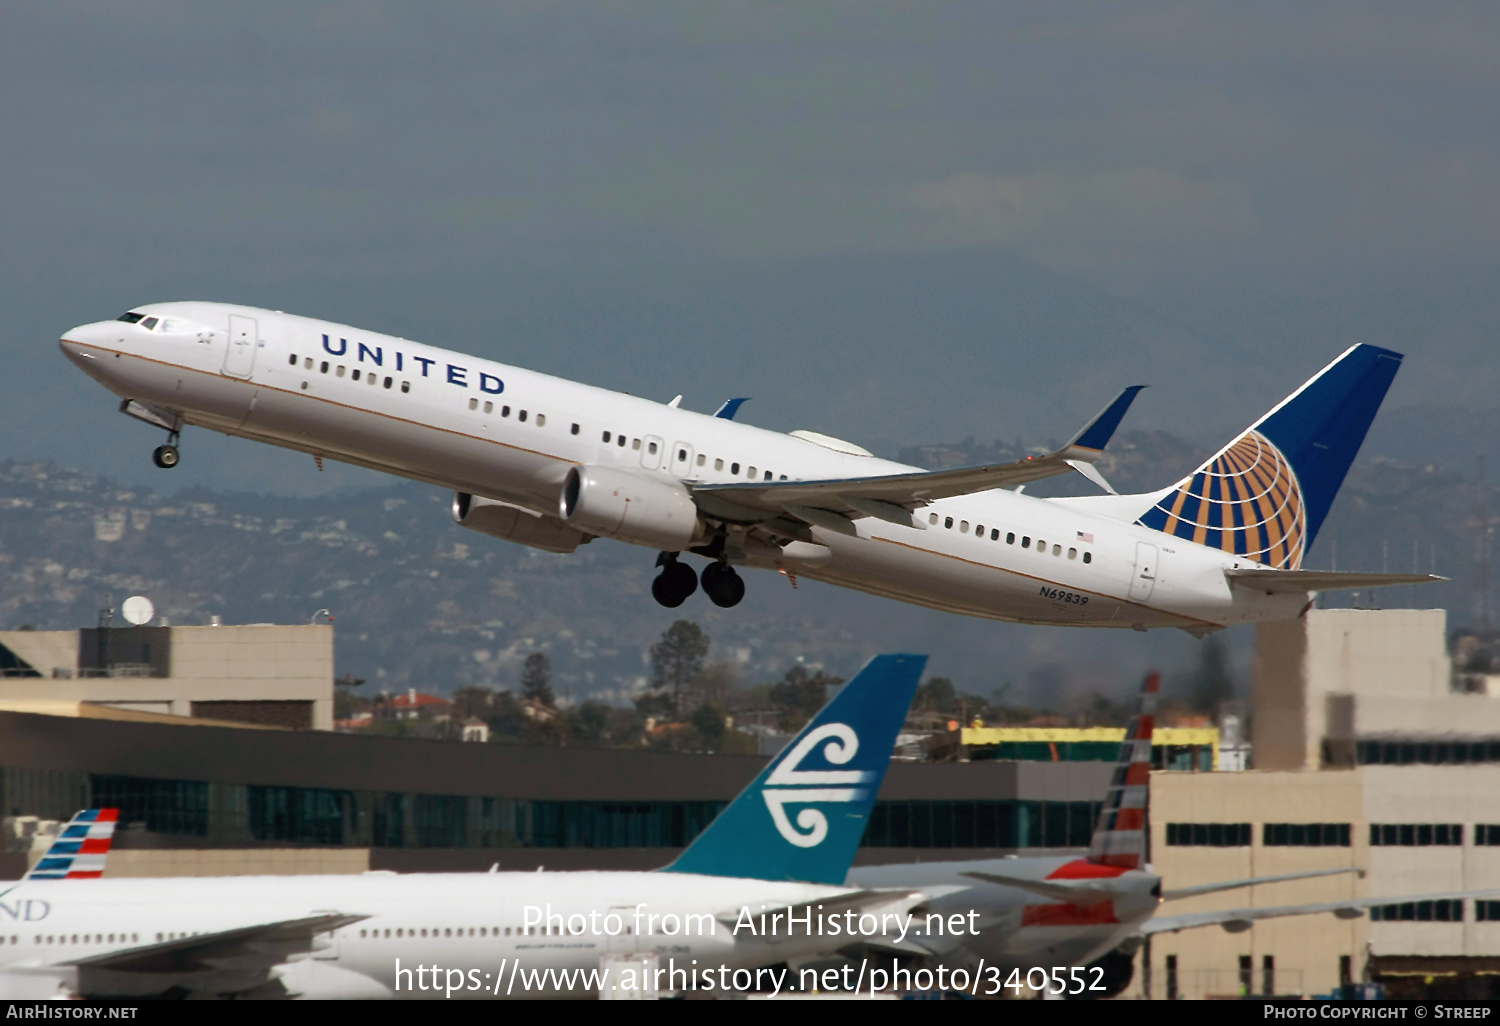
(165, 456)
(675, 582)
(722, 585)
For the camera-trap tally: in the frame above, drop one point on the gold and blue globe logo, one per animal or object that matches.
(1245, 501)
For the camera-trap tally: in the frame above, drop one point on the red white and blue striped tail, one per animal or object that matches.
(80, 850)
(1120, 837)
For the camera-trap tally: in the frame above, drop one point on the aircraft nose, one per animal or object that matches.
(78, 344)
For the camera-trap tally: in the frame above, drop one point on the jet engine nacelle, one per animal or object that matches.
(631, 507)
(515, 523)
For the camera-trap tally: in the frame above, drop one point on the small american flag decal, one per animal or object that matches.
(1084, 536)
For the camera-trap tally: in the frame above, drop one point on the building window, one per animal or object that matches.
(1208, 835)
(165, 806)
(1449, 910)
(1305, 835)
(1416, 835)
(1487, 911)
(981, 824)
(1487, 834)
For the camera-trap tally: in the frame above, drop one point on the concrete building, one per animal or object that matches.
(1365, 756)
(257, 674)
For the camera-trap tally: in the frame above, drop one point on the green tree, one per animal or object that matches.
(708, 721)
(588, 722)
(677, 659)
(799, 695)
(936, 694)
(536, 679)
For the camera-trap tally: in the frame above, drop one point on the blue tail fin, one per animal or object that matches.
(1265, 495)
(830, 772)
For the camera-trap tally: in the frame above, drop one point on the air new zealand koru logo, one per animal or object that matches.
(789, 785)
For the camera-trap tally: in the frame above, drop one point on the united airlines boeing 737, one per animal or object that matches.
(553, 464)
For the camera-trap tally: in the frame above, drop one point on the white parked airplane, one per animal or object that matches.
(784, 845)
(1091, 913)
(553, 464)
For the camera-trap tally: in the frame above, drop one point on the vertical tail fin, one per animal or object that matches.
(831, 772)
(80, 849)
(1120, 837)
(1265, 495)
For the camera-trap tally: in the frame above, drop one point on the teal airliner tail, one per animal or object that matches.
(803, 817)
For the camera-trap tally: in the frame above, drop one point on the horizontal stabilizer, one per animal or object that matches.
(1237, 920)
(1233, 885)
(1284, 582)
(1074, 894)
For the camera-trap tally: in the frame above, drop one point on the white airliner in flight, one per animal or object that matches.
(783, 846)
(553, 464)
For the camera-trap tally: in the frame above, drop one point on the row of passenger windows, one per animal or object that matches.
(1237, 835)
(355, 375)
(681, 456)
(79, 938)
(540, 420)
(1010, 537)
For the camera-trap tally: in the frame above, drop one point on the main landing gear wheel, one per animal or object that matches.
(166, 457)
(722, 585)
(675, 582)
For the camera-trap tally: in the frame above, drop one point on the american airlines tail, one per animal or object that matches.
(1264, 496)
(1120, 836)
(80, 848)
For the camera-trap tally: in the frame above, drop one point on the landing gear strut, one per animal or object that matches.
(722, 585)
(675, 582)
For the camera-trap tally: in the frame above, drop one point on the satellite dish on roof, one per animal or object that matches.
(137, 609)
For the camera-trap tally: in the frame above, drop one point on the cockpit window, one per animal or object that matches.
(149, 323)
(131, 318)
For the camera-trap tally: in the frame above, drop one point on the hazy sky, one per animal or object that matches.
(895, 223)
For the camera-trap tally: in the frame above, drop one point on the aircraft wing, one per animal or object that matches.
(1274, 582)
(1237, 920)
(892, 497)
(1230, 885)
(224, 962)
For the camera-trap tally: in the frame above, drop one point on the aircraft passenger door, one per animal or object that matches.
(1144, 578)
(651, 452)
(239, 358)
(681, 457)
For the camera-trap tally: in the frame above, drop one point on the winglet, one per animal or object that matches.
(1101, 429)
(802, 818)
(80, 849)
(730, 408)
